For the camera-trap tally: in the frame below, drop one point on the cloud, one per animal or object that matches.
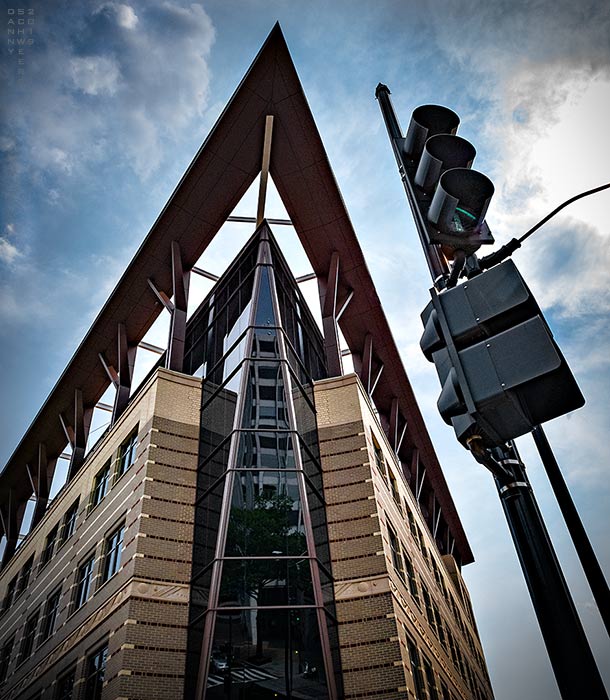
(107, 83)
(8, 252)
(493, 38)
(6, 144)
(125, 14)
(568, 268)
(95, 75)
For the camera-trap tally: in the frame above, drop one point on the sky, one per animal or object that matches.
(112, 101)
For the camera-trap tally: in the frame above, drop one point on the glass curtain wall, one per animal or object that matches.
(262, 619)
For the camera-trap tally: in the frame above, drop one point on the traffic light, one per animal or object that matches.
(452, 199)
(500, 369)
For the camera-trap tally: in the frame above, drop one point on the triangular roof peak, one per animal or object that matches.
(223, 169)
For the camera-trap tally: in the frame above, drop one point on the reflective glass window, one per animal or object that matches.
(217, 417)
(112, 552)
(50, 616)
(266, 582)
(5, 657)
(101, 484)
(265, 398)
(264, 315)
(200, 591)
(265, 450)
(127, 453)
(29, 634)
(266, 515)
(265, 562)
(317, 512)
(49, 546)
(84, 578)
(65, 686)
(258, 652)
(96, 671)
(207, 519)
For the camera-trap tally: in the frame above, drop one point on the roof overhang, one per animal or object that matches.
(225, 166)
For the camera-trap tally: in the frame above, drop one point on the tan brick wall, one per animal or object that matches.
(375, 608)
(142, 611)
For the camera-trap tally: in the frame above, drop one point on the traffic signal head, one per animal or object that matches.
(427, 121)
(442, 152)
(500, 369)
(460, 201)
(452, 199)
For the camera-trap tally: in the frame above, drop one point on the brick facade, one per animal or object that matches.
(378, 541)
(141, 612)
(368, 503)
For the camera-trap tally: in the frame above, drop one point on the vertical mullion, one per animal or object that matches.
(300, 471)
(210, 615)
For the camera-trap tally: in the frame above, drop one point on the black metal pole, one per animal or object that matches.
(593, 572)
(436, 262)
(569, 652)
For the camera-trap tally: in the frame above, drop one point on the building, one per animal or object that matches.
(255, 522)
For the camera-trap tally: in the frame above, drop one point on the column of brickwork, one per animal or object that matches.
(154, 636)
(368, 637)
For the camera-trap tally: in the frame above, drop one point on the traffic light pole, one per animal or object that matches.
(569, 652)
(590, 565)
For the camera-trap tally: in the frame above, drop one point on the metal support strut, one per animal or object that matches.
(77, 431)
(174, 358)
(590, 565)
(328, 301)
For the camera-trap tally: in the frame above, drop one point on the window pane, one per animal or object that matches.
(96, 668)
(83, 586)
(266, 582)
(47, 552)
(265, 450)
(266, 515)
(100, 485)
(27, 641)
(70, 521)
(396, 553)
(65, 687)
(207, 521)
(113, 548)
(430, 680)
(418, 680)
(10, 593)
(127, 453)
(24, 576)
(5, 657)
(258, 652)
(412, 579)
(50, 617)
(265, 399)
